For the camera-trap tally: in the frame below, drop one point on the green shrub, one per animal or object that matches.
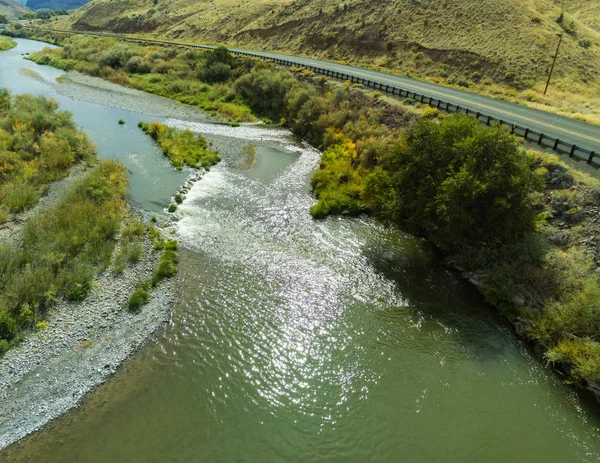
(18, 196)
(8, 326)
(178, 198)
(139, 298)
(215, 72)
(117, 56)
(121, 122)
(167, 267)
(182, 147)
(4, 346)
(118, 266)
(133, 230)
(42, 325)
(337, 185)
(458, 183)
(38, 144)
(6, 43)
(78, 291)
(137, 65)
(568, 204)
(4, 216)
(171, 245)
(583, 354)
(61, 248)
(265, 90)
(133, 252)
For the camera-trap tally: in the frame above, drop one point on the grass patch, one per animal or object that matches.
(131, 248)
(6, 43)
(139, 298)
(119, 263)
(337, 184)
(133, 253)
(62, 249)
(167, 267)
(182, 147)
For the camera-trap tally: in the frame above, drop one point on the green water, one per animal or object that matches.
(301, 340)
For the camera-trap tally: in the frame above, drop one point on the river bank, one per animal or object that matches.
(84, 343)
(79, 344)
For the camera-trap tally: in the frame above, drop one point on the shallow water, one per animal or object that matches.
(152, 180)
(303, 340)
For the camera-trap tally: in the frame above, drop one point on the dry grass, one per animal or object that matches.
(12, 9)
(499, 47)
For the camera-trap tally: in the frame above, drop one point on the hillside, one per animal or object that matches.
(11, 9)
(499, 46)
(56, 4)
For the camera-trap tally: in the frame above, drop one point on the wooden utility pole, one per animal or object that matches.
(560, 36)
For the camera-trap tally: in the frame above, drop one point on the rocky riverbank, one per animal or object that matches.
(83, 344)
(99, 91)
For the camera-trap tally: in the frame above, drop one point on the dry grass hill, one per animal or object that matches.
(11, 9)
(494, 46)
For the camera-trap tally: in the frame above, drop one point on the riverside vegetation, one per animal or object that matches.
(189, 76)
(38, 144)
(182, 147)
(61, 248)
(6, 43)
(519, 223)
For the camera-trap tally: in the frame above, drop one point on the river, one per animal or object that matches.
(300, 340)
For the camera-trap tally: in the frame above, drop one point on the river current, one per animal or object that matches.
(300, 340)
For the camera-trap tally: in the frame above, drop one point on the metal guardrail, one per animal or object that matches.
(543, 140)
(530, 135)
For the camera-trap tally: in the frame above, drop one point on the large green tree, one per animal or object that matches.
(457, 183)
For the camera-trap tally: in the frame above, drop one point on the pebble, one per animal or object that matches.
(57, 373)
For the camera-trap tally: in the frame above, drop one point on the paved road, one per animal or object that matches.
(570, 130)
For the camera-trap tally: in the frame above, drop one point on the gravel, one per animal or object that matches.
(95, 90)
(85, 342)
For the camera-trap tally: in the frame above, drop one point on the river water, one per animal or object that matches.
(301, 340)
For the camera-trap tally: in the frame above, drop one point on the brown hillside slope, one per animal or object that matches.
(11, 9)
(477, 43)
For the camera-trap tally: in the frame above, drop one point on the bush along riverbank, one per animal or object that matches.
(6, 43)
(519, 224)
(80, 344)
(68, 273)
(38, 145)
(182, 147)
(60, 250)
